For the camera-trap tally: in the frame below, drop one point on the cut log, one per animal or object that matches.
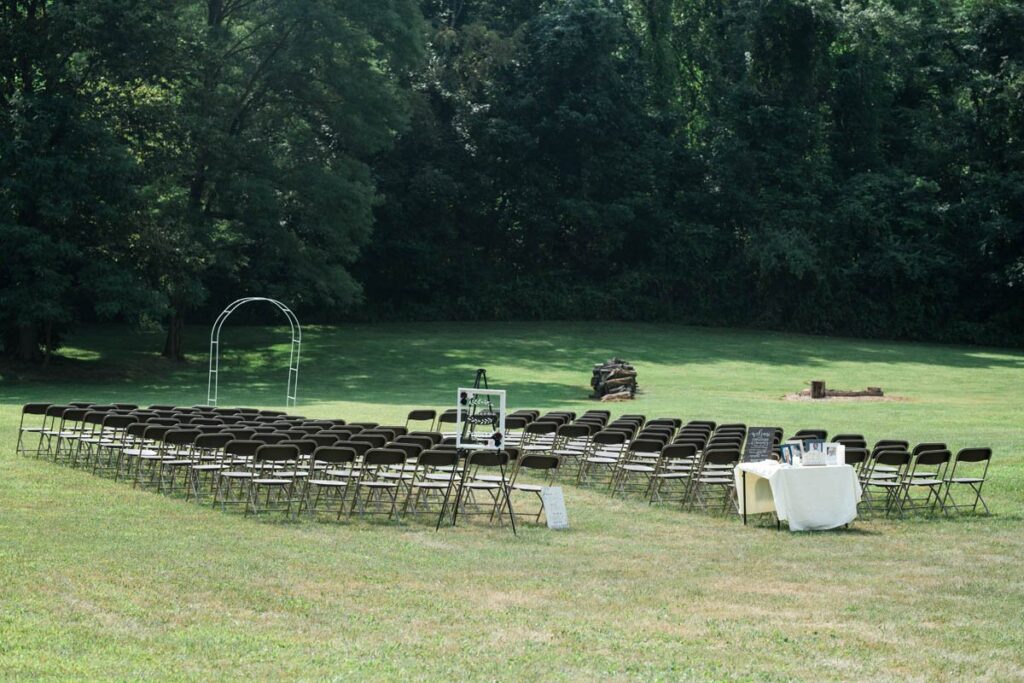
(817, 389)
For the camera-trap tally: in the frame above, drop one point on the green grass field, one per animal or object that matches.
(101, 581)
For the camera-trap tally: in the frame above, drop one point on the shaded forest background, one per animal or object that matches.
(841, 167)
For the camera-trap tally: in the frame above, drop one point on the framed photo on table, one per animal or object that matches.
(790, 452)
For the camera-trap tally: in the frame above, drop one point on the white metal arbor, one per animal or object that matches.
(293, 357)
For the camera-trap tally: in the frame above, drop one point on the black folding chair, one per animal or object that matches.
(969, 459)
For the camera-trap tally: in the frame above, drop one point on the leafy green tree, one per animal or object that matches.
(67, 179)
(263, 185)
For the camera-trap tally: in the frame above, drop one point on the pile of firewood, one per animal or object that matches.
(614, 380)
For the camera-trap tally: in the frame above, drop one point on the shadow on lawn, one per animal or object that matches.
(422, 364)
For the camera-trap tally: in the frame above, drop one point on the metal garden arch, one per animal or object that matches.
(293, 357)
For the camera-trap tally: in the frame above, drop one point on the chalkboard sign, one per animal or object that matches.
(760, 444)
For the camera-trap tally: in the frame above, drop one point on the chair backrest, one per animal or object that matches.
(118, 421)
(928, 446)
(308, 429)
(433, 437)
(334, 455)
(856, 456)
(359, 447)
(812, 434)
(515, 422)
(892, 442)
(646, 446)
(487, 458)
(364, 425)
(724, 456)
(411, 450)
(974, 455)
(276, 452)
(213, 441)
(450, 416)
(573, 431)
(883, 448)
(421, 414)
(376, 457)
(155, 432)
(702, 423)
(894, 458)
(138, 429)
(270, 438)
(397, 430)
(679, 451)
(423, 442)
(434, 457)
(305, 446)
(538, 462)
(375, 440)
(628, 429)
(324, 439)
(243, 447)
(542, 427)
(673, 422)
(931, 458)
(609, 437)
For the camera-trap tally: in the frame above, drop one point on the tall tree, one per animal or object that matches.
(67, 179)
(264, 186)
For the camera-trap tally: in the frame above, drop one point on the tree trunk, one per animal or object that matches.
(28, 343)
(174, 344)
(817, 389)
(47, 343)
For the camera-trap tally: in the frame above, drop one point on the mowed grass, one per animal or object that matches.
(100, 581)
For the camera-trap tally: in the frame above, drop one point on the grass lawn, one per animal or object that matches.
(100, 581)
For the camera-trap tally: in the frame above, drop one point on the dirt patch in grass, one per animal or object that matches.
(801, 396)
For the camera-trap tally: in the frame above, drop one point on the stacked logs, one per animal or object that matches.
(614, 380)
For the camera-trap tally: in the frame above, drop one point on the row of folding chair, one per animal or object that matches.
(279, 461)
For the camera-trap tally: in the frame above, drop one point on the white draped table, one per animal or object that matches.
(809, 498)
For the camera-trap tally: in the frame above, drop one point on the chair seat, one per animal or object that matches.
(341, 473)
(528, 487)
(492, 478)
(925, 482)
(237, 475)
(176, 462)
(207, 468)
(635, 467)
(438, 485)
(272, 482)
(673, 475)
(965, 480)
(482, 485)
(380, 484)
(328, 482)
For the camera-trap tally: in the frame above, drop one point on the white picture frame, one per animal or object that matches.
(474, 408)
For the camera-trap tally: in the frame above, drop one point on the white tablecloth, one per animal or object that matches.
(809, 498)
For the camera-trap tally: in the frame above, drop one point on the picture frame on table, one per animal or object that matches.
(790, 452)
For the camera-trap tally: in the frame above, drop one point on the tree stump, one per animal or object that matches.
(817, 389)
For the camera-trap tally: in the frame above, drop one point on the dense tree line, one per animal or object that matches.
(841, 167)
